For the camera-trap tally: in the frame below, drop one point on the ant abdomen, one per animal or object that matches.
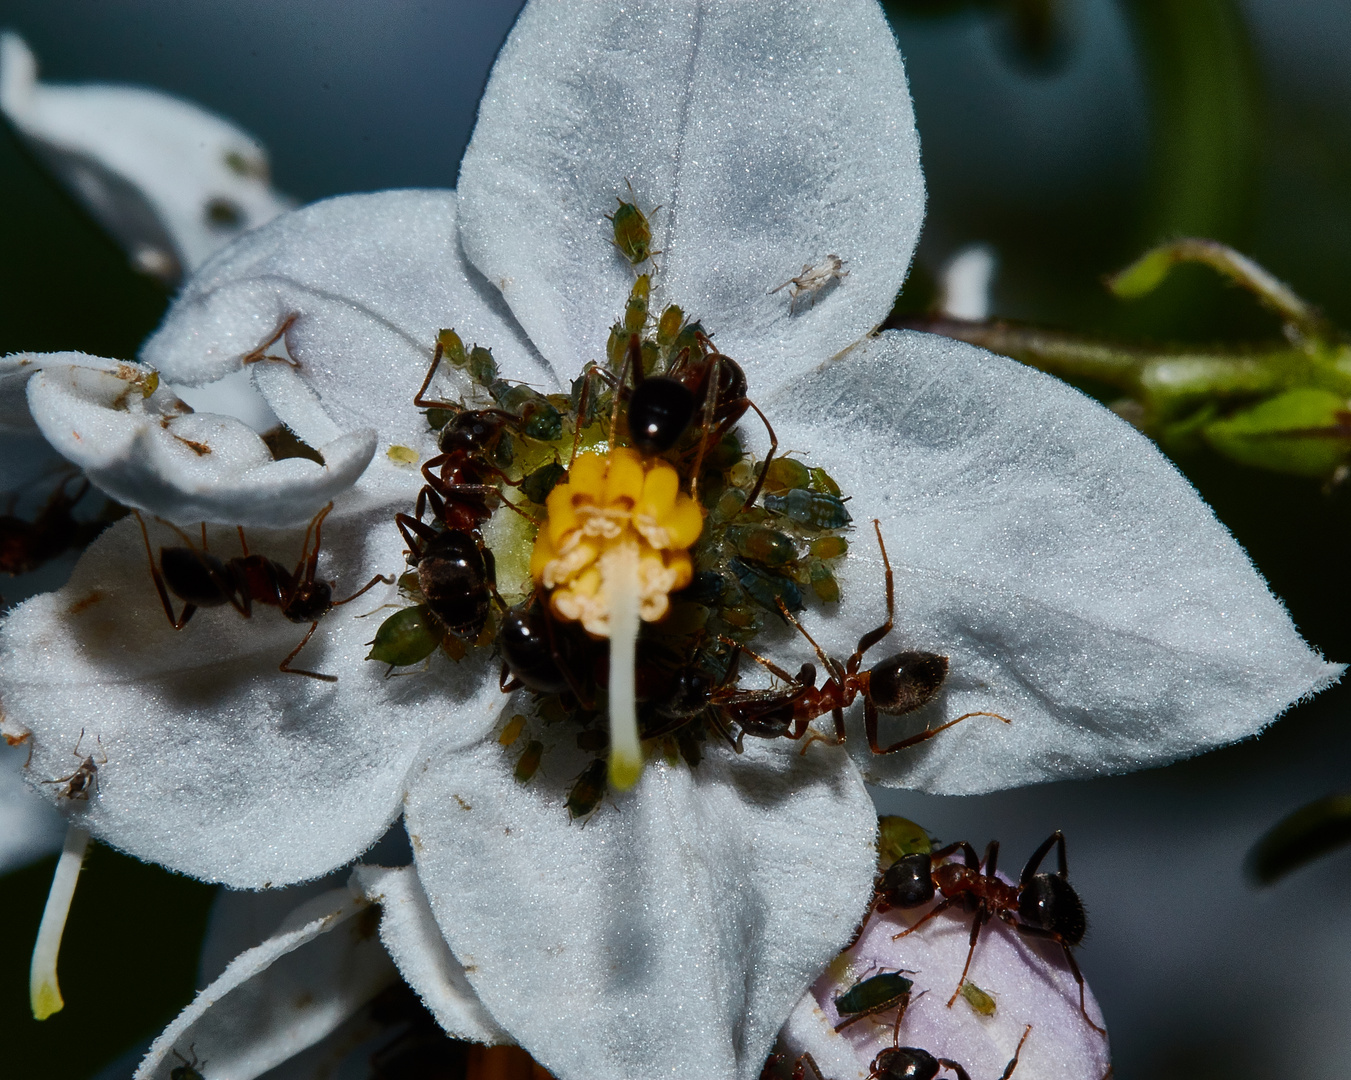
(1049, 902)
(908, 882)
(905, 1063)
(197, 577)
(454, 576)
(660, 410)
(523, 641)
(905, 682)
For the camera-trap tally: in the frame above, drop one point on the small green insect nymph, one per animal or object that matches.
(632, 231)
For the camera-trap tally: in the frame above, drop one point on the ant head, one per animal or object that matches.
(908, 882)
(689, 693)
(470, 432)
(1050, 903)
(904, 1063)
(659, 412)
(310, 601)
(902, 683)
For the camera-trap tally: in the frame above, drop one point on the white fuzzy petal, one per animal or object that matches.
(171, 181)
(669, 934)
(155, 454)
(29, 827)
(409, 931)
(218, 765)
(1076, 581)
(273, 1001)
(772, 133)
(370, 279)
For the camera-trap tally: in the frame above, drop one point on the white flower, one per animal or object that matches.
(1073, 578)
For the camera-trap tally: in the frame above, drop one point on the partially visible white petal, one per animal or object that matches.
(370, 279)
(772, 133)
(964, 284)
(171, 181)
(409, 931)
(155, 454)
(669, 934)
(15, 371)
(322, 964)
(1076, 581)
(30, 827)
(218, 765)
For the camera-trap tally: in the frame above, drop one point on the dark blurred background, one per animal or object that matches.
(1068, 135)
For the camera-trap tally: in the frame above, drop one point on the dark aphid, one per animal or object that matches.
(537, 485)
(763, 545)
(875, 994)
(528, 763)
(766, 588)
(588, 790)
(660, 410)
(1041, 905)
(189, 1070)
(539, 419)
(406, 637)
(814, 508)
(632, 231)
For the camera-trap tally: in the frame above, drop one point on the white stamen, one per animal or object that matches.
(43, 992)
(621, 579)
(965, 283)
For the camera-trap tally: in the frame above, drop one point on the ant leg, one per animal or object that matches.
(619, 386)
(826, 661)
(948, 1063)
(768, 665)
(311, 564)
(710, 405)
(991, 858)
(977, 925)
(837, 714)
(870, 723)
(800, 1074)
(937, 909)
(764, 470)
(259, 354)
(419, 401)
(243, 544)
(285, 665)
(379, 579)
(1056, 838)
(1013, 1062)
(175, 621)
(414, 530)
(1079, 978)
(868, 640)
(968, 853)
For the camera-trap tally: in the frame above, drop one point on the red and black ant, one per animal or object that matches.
(1041, 905)
(895, 686)
(897, 1062)
(200, 579)
(84, 779)
(26, 545)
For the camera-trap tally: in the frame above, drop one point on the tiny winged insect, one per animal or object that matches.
(84, 779)
(813, 280)
(1041, 905)
(872, 995)
(200, 579)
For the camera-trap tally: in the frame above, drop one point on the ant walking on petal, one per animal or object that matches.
(1042, 905)
(200, 579)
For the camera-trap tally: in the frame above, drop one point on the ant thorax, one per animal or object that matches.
(541, 505)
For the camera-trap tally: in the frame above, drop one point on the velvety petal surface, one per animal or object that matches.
(669, 933)
(370, 280)
(217, 764)
(772, 134)
(170, 181)
(323, 963)
(409, 931)
(146, 448)
(1074, 578)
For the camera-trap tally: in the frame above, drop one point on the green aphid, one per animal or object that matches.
(821, 481)
(724, 454)
(617, 347)
(872, 995)
(978, 999)
(767, 546)
(587, 399)
(410, 583)
(668, 327)
(765, 587)
(538, 484)
(528, 763)
(688, 338)
(785, 474)
(824, 585)
(439, 418)
(504, 453)
(452, 348)
(828, 547)
(810, 508)
(632, 231)
(539, 419)
(651, 357)
(406, 637)
(482, 366)
(588, 790)
(729, 504)
(897, 837)
(635, 310)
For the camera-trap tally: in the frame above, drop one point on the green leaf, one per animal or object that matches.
(1309, 833)
(1299, 432)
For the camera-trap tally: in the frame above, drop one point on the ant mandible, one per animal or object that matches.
(200, 579)
(895, 686)
(1041, 904)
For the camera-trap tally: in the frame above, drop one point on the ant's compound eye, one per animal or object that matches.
(908, 882)
(659, 412)
(902, 683)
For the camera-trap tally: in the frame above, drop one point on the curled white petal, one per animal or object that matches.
(273, 1001)
(965, 283)
(171, 181)
(147, 449)
(409, 931)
